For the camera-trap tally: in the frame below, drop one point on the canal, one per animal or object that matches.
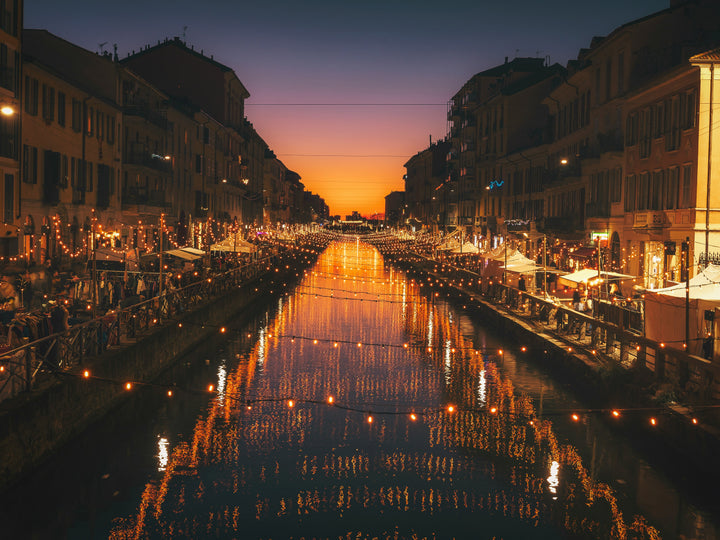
(359, 405)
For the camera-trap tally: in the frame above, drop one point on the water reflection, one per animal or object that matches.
(278, 458)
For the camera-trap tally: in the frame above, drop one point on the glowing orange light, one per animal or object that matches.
(523, 349)
(451, 408)
(695, 421)
(653, 422)
(331, 399)
(575, 417)
(616, 413)
(86, 374)
(222, 330)
(210, 388)
(179, 325)
(370, 419)
(291, 403)
(314, 341)
(169, 393)
(405, 345)
(500, 352)
(335, 344)
(128, 386)
(359, 344)
(413, 417)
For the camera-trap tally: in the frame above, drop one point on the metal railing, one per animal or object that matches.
(21, 363)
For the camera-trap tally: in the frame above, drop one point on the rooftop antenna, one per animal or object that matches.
(102, 47)
(184, 30)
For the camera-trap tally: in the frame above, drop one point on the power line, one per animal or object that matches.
(404, 156)
(347, 104)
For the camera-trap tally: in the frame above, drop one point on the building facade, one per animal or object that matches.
(11, 22)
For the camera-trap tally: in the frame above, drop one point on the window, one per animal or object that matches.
(657, 190)
(89, 177)
(608, 79)
(621, 73)
(659, 120)
(689, 113)
(31, 95)
(685, 193)
(672, 137)
(630, 193)
(642, 193)
(198, 163)
(615, 185)
(9, 206)
(90, 127)
(30, 164)
(76, 115)
(48, 103)
(110, 127)
(100, 123)
(645, 126)
(8, 68)
(61, 109)
(671, 198)
(64, 172)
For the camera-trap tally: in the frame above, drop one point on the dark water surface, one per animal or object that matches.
(267, 456)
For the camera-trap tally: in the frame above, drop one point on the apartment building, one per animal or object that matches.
(201, 82)
(627, 155)
(426, 172)
(485, 117)
(11, 18)
(71, 151)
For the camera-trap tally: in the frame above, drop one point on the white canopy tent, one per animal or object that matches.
(182, 254)
(466, 248)
(589, 274)
(665, 310)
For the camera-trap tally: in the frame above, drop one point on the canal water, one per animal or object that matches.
(359, 405)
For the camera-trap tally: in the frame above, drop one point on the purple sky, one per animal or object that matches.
(392, 53)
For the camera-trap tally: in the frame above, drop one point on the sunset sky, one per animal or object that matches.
(346, 92)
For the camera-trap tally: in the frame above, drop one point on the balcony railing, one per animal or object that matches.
(146, 159)
(143, 196)
(155, 117)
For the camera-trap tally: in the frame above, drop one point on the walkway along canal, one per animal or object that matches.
(360, 406)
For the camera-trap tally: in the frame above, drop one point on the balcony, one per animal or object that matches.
(146, 159)
(152, 116)
(139, 195)
(652, 220)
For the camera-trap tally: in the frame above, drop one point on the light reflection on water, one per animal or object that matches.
(255, 467)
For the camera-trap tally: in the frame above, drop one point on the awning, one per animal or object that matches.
(587, 274)
(182, 254)
(194, 251)
(583, 253)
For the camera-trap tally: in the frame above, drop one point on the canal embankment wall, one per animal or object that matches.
(35, 424)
